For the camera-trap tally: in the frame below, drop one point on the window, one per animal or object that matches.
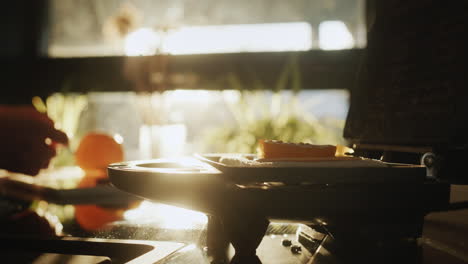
(145, 27)
(182, 122)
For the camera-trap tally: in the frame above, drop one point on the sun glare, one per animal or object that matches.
(295, 36)
(143, 41)
(166, 216)
(118, 138)
(334, 35)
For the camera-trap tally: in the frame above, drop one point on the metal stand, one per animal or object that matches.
(244, 231)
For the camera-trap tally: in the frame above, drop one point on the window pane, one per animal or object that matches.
(109, 27)
(182, 122)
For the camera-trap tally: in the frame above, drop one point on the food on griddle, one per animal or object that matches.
(273, 149)
(277, 154)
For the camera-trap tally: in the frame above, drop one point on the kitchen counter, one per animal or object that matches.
(445, 236)
(444, 240)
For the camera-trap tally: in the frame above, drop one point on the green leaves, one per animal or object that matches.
(263, 113)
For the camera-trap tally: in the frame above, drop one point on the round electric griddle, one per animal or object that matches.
(242, 200)
(204, 184)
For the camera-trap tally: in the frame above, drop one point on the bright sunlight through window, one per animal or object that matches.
(221, 39)
(334, 35)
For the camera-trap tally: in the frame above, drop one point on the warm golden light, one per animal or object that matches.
(295, 36)
(166, 216)
(166, 141)
(240, 38)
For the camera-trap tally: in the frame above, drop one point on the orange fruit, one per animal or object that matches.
(92, 217)
(94, 153)
(97, 150)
